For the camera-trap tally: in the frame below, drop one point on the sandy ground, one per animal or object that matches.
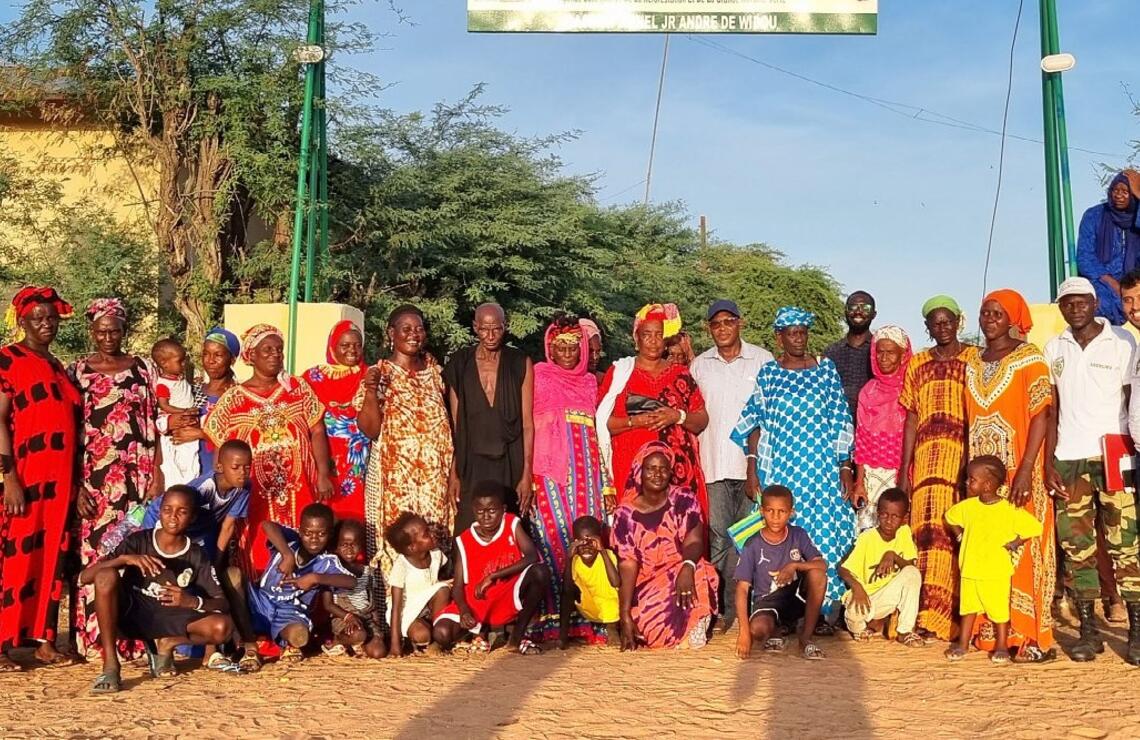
(862, 690)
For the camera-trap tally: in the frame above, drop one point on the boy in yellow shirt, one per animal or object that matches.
(881, 574)
(991, 530)
(591, 582)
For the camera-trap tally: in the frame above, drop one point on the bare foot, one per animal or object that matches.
(7, 665)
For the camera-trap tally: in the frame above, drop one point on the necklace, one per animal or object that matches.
(939, 355)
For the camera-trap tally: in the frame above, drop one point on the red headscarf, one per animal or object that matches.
(339, 330)
(1015, 308)
(556, 391)
(31, 296)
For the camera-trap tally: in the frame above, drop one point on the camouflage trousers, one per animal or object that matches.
(1077, 521)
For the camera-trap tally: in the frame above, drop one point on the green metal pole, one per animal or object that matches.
(311, 201)
(1052, 185)
(323, 185)
(1063, 149)
(302, 171)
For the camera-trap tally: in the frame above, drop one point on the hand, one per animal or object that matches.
(751, 483)
(182, 420)
(902, 481)
(886, 566)
(860, 601)
(846, 479)
(175, 596)
(664, 418)
(525, 491)
(684, 587)
(352, 624)
(858, 496)
(86, 505)
(187, 434)
(303, 583)
(453, 488)
(1055, 483)
(1014, 545)
(744, 642)
(287, 565)
(467, 619)
(629, 634)
(372, 379)
(15, 500)
(1021, 488)
(784, 575)
(149, 565)
(324, 487)
(482, 586)
(1133, 182)
(609, 503)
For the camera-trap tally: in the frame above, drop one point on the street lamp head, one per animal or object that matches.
(309, 54)
(1055, 63)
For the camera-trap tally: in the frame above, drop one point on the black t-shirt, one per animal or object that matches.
(188, 568)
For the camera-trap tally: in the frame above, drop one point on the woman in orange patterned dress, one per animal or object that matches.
(402, 408)
(1008, 396)
(283, 421)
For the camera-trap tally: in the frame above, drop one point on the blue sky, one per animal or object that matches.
(885, 203)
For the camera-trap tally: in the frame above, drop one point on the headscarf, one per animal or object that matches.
(652, 447)
(1015, 308)
(339, 330)
(227, 339)
(556, 392)
(667, 313)
(941, 301)
(101, 307)
(1112, 220)
(881, 418)
(254, 336)
(789, 316)
(28, 298)
(590, 328)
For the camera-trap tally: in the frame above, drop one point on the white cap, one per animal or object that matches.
(1075, 286)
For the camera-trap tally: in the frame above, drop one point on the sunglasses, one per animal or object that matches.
(861, 307)
(722, 323)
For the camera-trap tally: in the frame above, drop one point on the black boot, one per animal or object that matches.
(1133, 654)
(1090, 643)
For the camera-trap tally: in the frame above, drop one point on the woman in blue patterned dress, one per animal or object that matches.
(797, 427)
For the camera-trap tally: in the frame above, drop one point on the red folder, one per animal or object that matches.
(1119, 461)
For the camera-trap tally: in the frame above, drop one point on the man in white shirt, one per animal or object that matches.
(1091, 368)
(726, 375)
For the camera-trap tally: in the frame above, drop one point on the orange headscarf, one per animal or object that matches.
(1015, 308)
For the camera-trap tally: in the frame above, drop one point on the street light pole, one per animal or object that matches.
(1058, 188)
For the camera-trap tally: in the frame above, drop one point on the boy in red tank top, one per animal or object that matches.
(498, 578)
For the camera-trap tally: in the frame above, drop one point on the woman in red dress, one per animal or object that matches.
(336, 383)
(281, 418)
(646, 398)
(39, 414)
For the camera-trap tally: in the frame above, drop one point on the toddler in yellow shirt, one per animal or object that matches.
(591, 581)
(991, 530)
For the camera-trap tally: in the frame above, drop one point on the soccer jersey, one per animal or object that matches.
(272, 583)
(761, 559)
(484, 557)
(188, 568)
(213, 506)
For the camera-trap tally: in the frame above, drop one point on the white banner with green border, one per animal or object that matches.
(674, 16)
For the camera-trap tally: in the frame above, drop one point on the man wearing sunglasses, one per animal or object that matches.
(726, 374)
(852, 354)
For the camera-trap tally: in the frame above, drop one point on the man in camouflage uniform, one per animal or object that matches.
(1091, 368)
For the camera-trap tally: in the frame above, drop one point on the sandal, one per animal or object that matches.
(774, 645)
(954, 653)
(223, 664)
(1000, 657)
(911, 640)
(334, 649)
(812, 652)
(1034, 654)
(480, 645)
(290, 656)
(7, 665)
(107, 683)
(250, 662)
(866, 635)
(161, 666)
(528, 647)
(824, 629)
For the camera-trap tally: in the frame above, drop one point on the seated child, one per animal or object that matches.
(279, 602)
(167, 593)
(420, 593)
(175, 398)
(991, 529)
(881, 574)
(591, 582)
(787, 576)
(356, 621)
(498, 579)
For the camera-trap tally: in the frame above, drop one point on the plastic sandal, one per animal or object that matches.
(954, 653)
(161, 666)
(774, 645)
(480, 645)
(107, 683)
(527, 647)
(250, 662)
(866, 635)
(911, 640)
(824, 629)
(999, 658)
(813, 652)
(290, 656)
(333, 649)
(223, 664)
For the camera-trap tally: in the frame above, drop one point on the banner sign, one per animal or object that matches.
(674, 16)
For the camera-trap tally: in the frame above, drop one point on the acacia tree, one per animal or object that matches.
(205, 92)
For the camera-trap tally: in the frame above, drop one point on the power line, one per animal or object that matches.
(1001, 152)
(656, 116)
(905, 110)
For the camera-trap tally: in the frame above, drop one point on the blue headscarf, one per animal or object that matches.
(227, 339)
(793, 316)
(1111, 221)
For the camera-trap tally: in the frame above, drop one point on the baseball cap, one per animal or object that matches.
(723, 305)
(1075, 286)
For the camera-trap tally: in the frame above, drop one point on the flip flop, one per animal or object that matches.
(528, 647)
(223, 664)
(813, 652)
(954, 653)
(107, 683)
(824, 629)
(290, 656)
(774, 645)
(250, 662)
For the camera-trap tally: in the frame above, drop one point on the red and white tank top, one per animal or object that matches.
(483, 557)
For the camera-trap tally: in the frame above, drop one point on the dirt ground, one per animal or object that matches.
(860, 691)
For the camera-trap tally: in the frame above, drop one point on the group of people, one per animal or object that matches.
(411, 506)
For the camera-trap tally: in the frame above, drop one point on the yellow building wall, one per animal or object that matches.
(314, 322)
(1048, 323)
